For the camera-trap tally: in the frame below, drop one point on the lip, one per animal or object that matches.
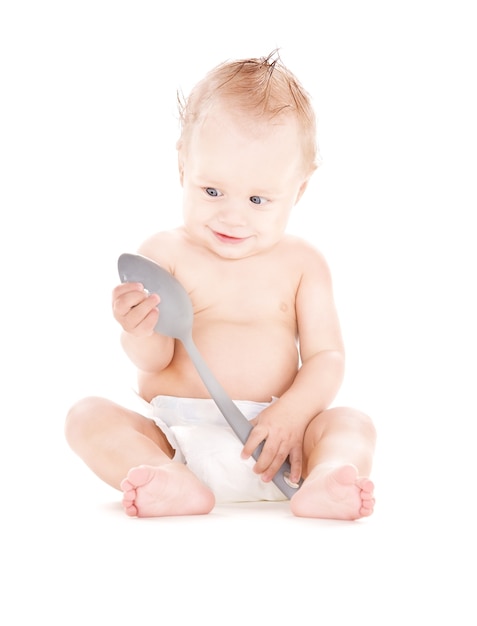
(228, 239)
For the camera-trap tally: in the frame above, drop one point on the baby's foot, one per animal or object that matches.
(170, 489)
(334, 493)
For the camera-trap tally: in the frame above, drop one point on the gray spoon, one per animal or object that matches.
(175, 321)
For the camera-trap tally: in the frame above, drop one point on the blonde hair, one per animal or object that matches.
(263, 88)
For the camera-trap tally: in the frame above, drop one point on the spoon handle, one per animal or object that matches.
(235, 418)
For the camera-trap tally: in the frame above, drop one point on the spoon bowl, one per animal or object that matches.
(177, 314)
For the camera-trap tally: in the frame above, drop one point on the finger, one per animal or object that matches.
(130, 298)
(123, 288)
(144, 314)
(295, 458)
(267, 455)
(278, 459)
(256, 437)
(127, 296)
(123, 305)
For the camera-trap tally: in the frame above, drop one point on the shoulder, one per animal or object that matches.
(164, 247)
(304, 255)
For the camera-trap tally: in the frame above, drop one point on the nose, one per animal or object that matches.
(233, 215)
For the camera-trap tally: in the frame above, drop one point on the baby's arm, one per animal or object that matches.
(316, 384)
(321, 343)
(137, 312)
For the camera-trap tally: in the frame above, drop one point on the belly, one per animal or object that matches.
(250, 362)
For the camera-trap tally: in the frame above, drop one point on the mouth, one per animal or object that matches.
(228, 239)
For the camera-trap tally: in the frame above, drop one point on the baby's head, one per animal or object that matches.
(256, 92)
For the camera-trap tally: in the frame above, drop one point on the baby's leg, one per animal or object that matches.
(116, 443)
(338, 452)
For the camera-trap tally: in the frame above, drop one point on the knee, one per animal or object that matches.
(80, 416)
(351, 419)
(356, 419)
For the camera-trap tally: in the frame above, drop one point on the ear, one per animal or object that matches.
(301, 190)
(180, 161)
(308, 174)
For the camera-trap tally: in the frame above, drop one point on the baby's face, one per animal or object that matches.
(240, 182)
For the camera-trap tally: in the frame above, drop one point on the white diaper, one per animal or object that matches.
(202, 439)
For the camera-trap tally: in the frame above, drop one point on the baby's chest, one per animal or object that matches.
(245, 304)
(243, 292)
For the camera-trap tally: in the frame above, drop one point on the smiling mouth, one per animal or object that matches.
(227, 239)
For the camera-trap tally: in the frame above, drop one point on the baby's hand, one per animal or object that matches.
(282, 439)
(135, 309)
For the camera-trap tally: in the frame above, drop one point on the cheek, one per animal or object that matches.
(273, 228)
(281, 219)
(195, 210)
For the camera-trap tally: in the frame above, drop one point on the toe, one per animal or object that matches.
(366, 496)
(365, 485)
(129, 496)
(126, 485)
(367, 507)
(130, 510)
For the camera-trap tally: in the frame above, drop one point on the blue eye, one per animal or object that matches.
(214, 193)
(257, 200)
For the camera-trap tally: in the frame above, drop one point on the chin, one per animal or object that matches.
(232, 252)
(232, 255)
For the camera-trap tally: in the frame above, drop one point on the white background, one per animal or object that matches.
(88, 127)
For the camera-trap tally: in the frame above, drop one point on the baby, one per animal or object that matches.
(264, 321)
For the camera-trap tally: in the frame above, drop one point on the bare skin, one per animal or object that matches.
(258, 295)
(334, 493)
(169, 489)
(332, 489)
